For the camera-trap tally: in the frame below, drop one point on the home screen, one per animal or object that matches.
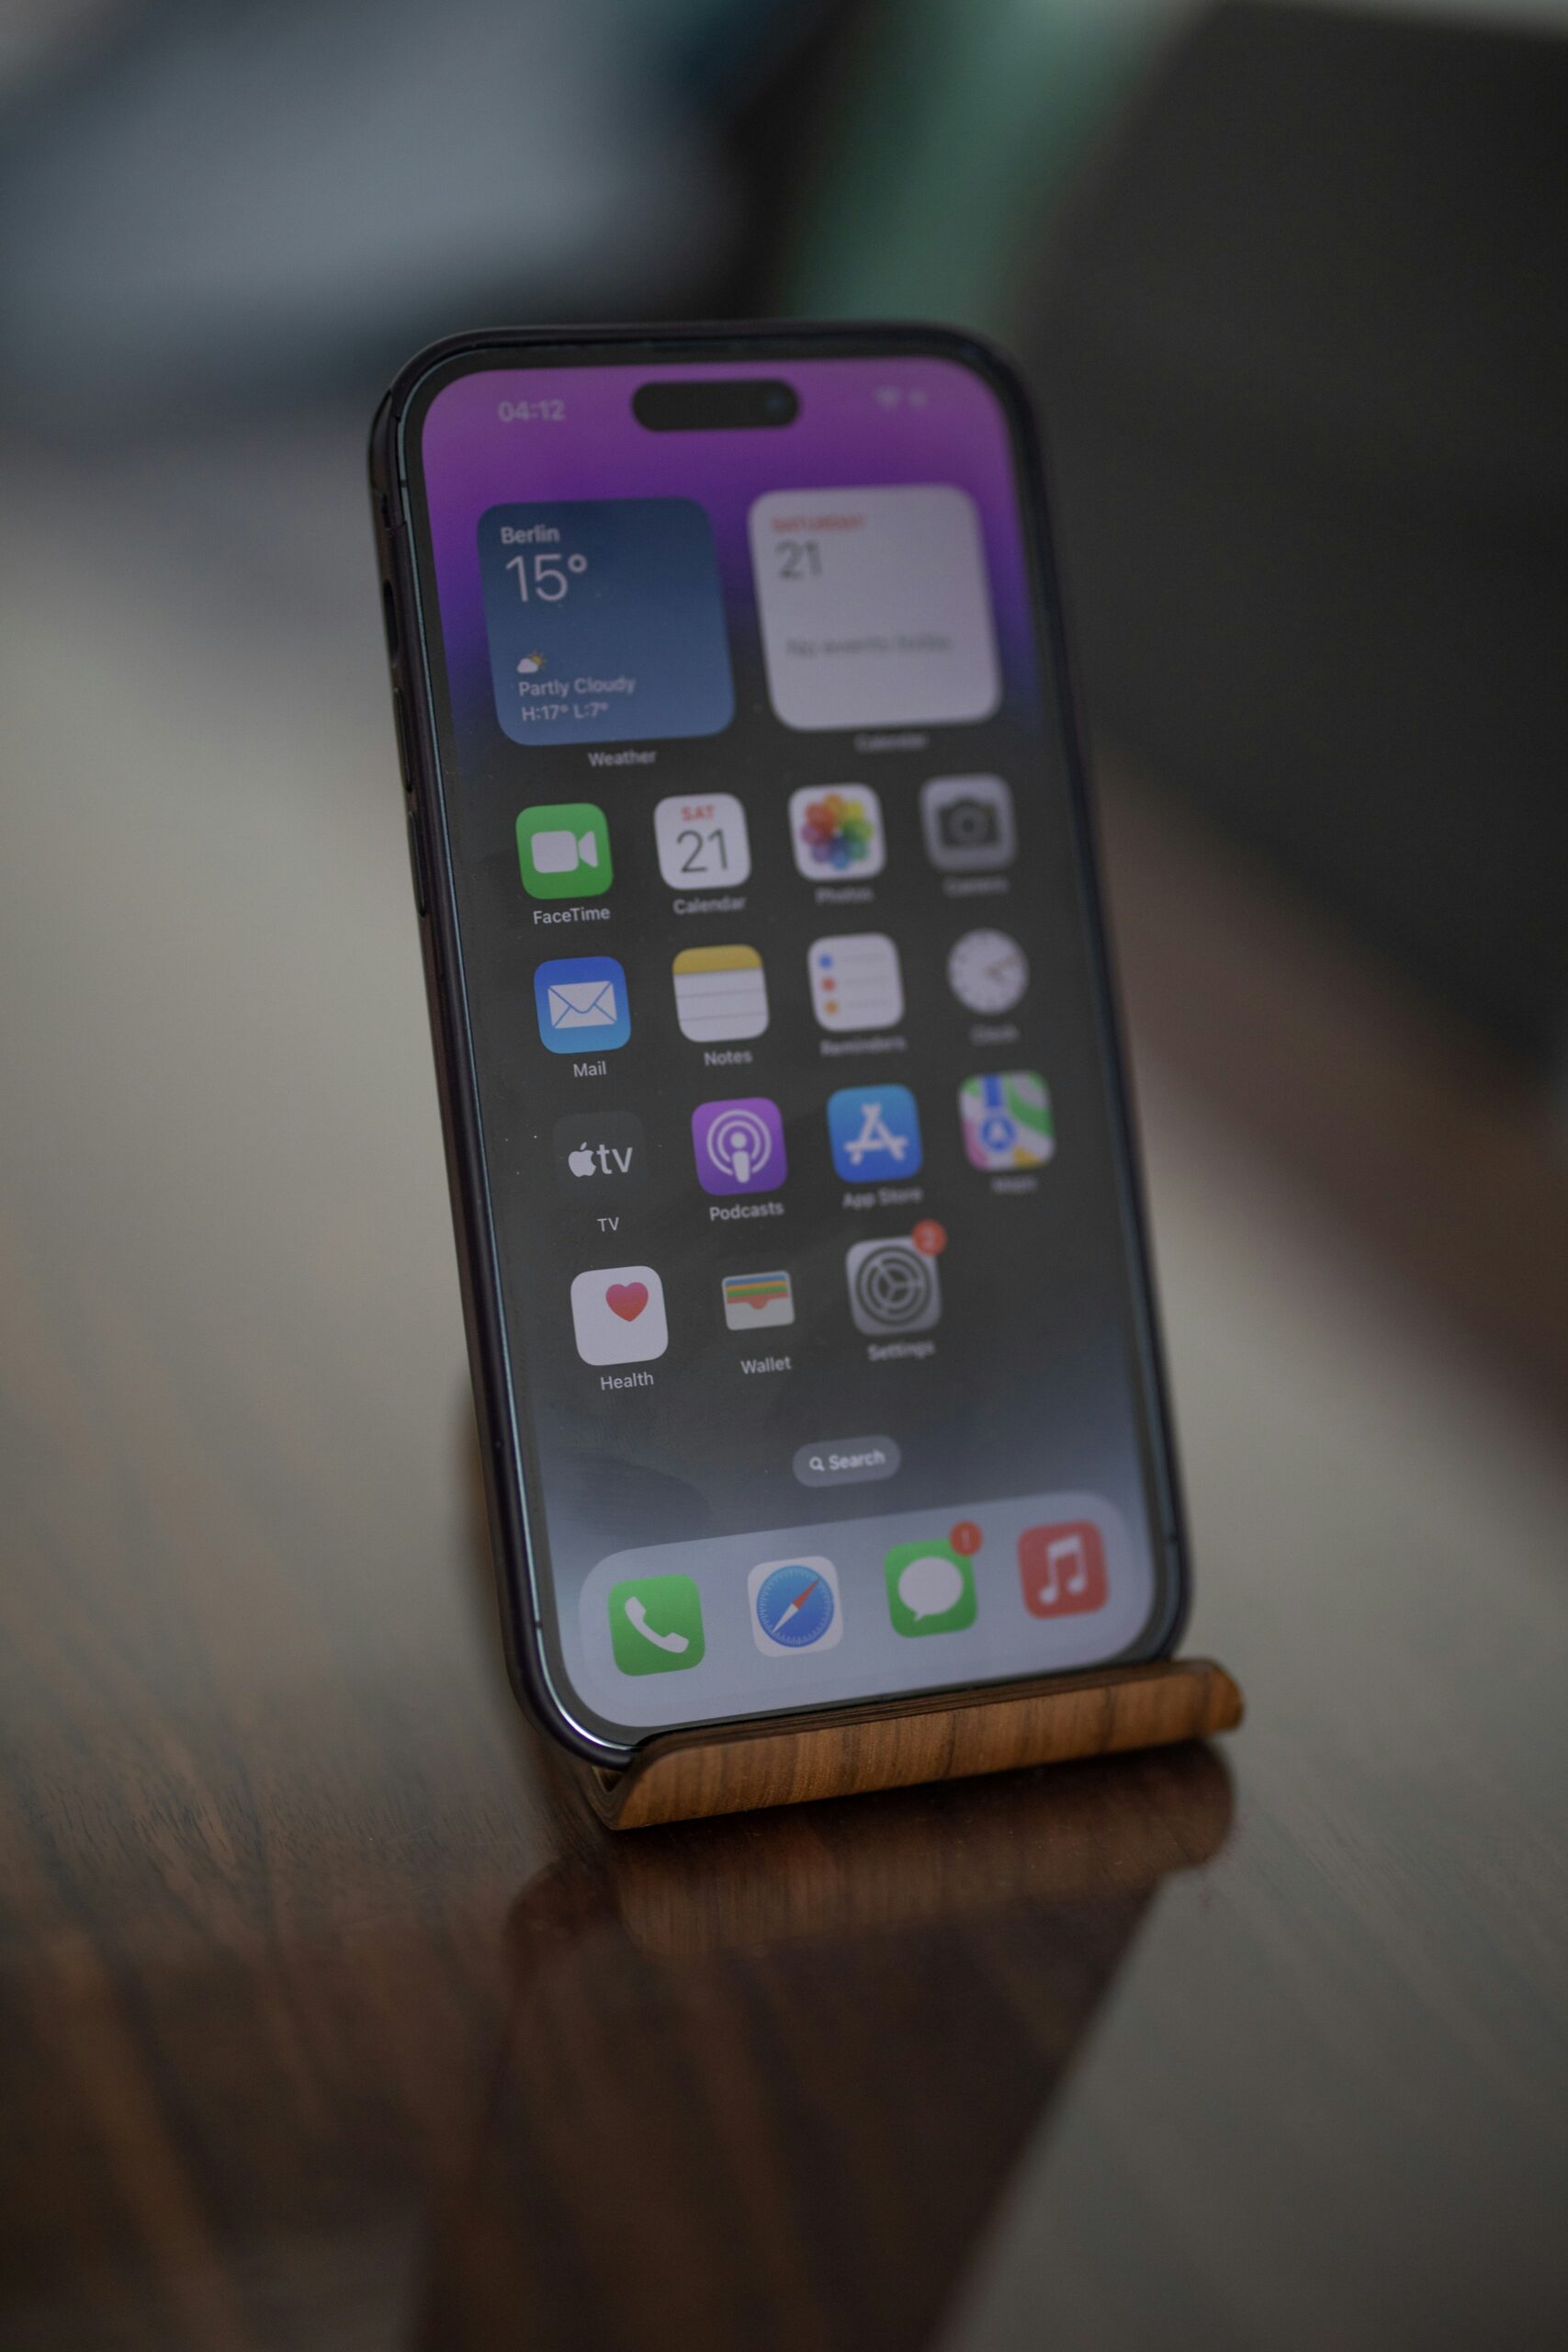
(793, 1079)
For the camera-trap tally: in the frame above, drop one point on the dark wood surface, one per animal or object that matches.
(327, 2015)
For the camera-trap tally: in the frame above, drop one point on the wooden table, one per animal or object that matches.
(329, 2020)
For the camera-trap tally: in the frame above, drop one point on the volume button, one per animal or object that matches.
(416, 867)
(401, 720)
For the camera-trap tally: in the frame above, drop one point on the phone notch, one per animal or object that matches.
(695, 406)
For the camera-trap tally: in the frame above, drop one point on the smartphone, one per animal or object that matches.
(808, 1300)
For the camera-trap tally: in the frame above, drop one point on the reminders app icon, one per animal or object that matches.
(582, 1004)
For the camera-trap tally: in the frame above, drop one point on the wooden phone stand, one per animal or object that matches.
(844, 1751)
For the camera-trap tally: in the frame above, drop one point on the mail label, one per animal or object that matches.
(605, 620)
(875, 605)
(582, 1004)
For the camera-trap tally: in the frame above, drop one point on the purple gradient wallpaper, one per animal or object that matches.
(947, 426)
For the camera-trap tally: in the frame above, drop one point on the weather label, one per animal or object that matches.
(605, 620)
(874, 607)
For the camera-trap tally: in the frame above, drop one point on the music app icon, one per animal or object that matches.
(1062, 1569)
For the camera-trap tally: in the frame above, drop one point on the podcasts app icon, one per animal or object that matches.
(739, 1144)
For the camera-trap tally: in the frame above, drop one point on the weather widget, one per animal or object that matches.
(605, 620)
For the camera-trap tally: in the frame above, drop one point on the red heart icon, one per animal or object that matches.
(626, 1300)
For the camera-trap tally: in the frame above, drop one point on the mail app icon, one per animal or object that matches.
(582, 1004)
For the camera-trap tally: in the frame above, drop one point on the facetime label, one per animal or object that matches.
(874, 607)
(605, 620)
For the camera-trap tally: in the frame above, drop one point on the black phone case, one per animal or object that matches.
(497, 1378)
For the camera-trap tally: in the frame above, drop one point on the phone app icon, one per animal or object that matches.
(931, 1589)
(836, 832)
(795, 1606)
(582, 1004)
(757, 1302)
(874, 1132)
(618, 1315)
(601, 1157)
(856, 981)
(968, 824)
(564, 851)
(987, 971)
(702, 842)
(1063, 1570)
(739, 1144)
(721, 992)
(1006, 1120)
(656, 1624)
(894, 1287)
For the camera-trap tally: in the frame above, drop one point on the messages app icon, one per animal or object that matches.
(582, 1004)
(931, 1589)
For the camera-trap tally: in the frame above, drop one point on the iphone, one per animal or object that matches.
(808, 1298)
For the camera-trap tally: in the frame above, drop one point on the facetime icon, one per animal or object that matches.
(564, 851)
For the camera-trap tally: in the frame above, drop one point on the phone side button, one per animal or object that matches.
(416, 867)
(399, 719)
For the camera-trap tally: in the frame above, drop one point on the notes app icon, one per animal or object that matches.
(1063, 1570)
(721, 993)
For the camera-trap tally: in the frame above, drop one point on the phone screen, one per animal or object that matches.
(827, 1323)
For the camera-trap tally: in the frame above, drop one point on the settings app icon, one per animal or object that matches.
(894, 1287)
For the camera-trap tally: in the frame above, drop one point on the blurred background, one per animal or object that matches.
(1288, 282)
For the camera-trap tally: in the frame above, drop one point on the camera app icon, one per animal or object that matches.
(967, 822)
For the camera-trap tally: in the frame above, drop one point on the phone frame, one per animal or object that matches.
(413, 649)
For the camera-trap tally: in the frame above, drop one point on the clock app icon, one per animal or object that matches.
(987, 971)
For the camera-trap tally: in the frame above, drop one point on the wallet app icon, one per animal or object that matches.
(582, 1004)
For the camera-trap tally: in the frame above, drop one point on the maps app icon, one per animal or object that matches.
(1007, 1121)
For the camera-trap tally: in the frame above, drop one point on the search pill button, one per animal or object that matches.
(846, 1461)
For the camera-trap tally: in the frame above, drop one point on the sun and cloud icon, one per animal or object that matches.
(529, 664)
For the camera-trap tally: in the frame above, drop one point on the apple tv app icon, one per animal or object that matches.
(601, 1158)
